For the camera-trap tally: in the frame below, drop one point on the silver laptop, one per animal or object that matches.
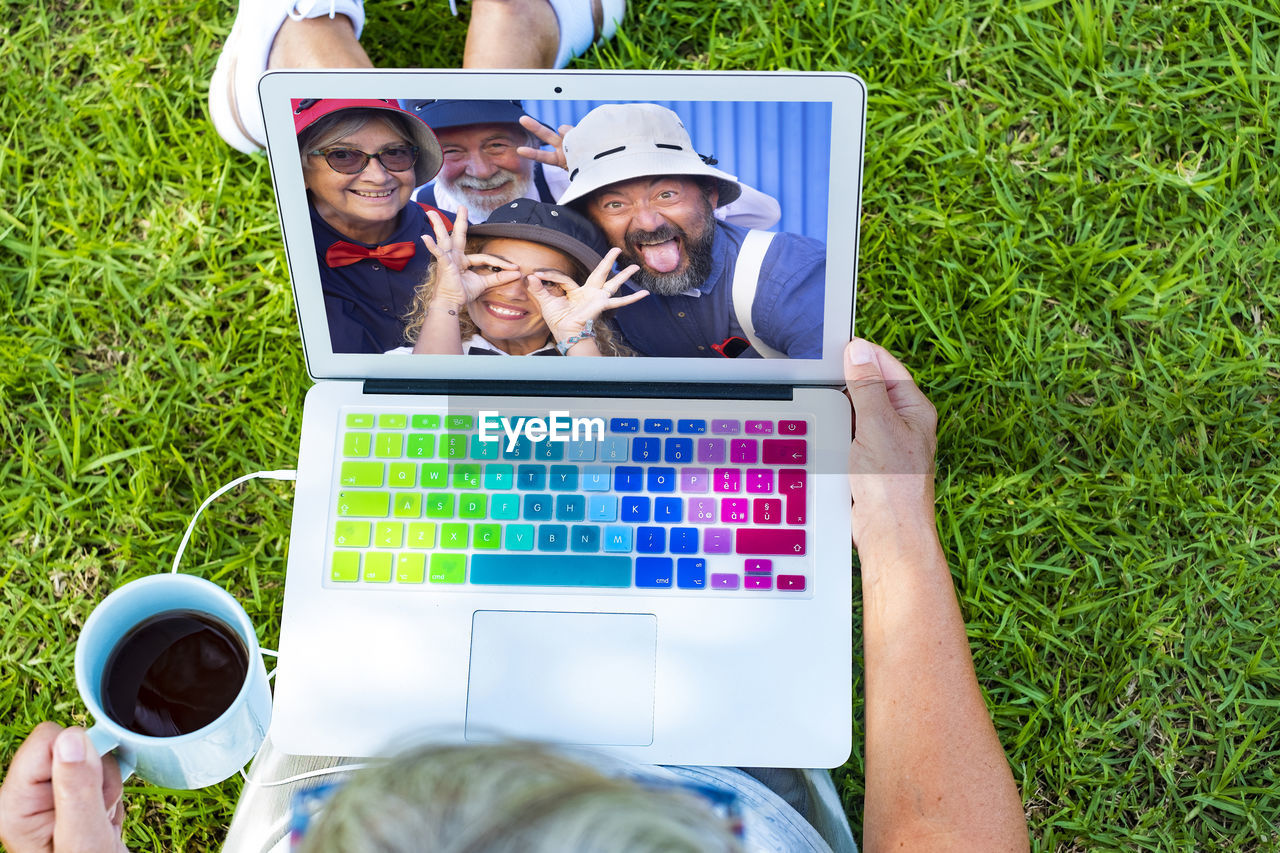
(648, 554)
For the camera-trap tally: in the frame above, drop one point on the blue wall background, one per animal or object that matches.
(779, 148)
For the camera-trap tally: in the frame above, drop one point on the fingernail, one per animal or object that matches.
(70, 746)
(860, 352)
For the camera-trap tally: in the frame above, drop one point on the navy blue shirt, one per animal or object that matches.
(366, 302)
(787, 311)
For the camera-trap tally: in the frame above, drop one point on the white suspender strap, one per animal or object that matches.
(746, 276)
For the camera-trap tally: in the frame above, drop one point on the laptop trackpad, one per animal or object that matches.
(584, 678)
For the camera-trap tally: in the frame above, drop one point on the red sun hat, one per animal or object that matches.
(307, 111)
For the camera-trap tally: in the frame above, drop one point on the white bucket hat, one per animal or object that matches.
(619, 142)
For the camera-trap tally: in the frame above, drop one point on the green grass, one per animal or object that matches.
(1070, 232)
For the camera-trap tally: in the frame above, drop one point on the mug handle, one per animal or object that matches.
(105, 742)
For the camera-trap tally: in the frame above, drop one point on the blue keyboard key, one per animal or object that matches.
(484, 449)
(684, 540)
(613, 448)
(603, 508)
(628, 479)
(548, 450)
(522, 449)
(596, 478)
(580, 451)
(661, 480)
(624, 425)
(551, 570)
(498, 476)
(691, 427)
(552, 537)
(657, 425)
(668, 510)
(571, 507)
(635, 510)
(645, 449)
(531, 477)
(584, 538)
(691, 573)
(617, 539)
(653, 572)
(651, 540)
(564, 478)
(537, 507)
(678, 450)
(504, 507)
(519, 537)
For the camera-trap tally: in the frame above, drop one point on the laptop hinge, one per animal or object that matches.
(542, 388)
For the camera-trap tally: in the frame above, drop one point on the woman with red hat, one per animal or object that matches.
(361, 159)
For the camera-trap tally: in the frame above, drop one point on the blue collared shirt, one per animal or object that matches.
(787, 311)
(366, 302)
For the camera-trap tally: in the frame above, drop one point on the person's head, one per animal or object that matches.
(361, 159)
(509, 797)
(554, 243)
(479, 139)
(634, 171)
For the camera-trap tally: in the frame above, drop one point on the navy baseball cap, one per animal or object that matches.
(550, 224)
(442, 114)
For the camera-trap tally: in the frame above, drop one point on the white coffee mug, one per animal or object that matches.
(202, 757)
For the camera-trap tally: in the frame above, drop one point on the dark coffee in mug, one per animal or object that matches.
(173, 674)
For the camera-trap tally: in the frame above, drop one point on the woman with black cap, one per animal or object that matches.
(533, 279)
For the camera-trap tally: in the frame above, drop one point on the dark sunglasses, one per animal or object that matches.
(353, 161)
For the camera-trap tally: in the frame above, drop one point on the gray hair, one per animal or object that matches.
(520, 798)
(341, 124)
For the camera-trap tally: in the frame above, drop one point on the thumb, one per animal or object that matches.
(81, 822)
(864, 379)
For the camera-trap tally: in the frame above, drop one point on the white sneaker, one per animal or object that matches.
(233, 90)
(583, 23)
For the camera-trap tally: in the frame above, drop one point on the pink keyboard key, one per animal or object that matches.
(759, 427)
(719, 581)
(710, 450)
(694, 481)
(733, 510)
(760, 481)
(757, 582)
(781, 541)
(742, 451)
(759, 567)
(785, 451)
(725, 427)
(792, 428)
(791, 582)
(766, 511)
(702, 510)
(791, 485)
(726, 480)
(717, 540)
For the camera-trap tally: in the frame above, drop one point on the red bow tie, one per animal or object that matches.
(395, 255)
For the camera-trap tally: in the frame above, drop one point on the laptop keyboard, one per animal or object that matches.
(700, 506)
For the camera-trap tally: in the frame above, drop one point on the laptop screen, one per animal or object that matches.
(731, 202)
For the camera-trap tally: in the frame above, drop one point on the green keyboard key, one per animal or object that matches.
(393, 421)
(448, 568)
(422, 534)
(401, 474)
(364, 504)
(439, 505)
(345, 567)
(422, 445)
(351, 534)
(367, 474)
(377, 567)
(466, 476)
(388, 445)
(426, 422)
(435, 475)
(411, 568)
(453, 536)
(453, 445)
(407, 505)
(356, 444)
(389, 534)
(472, 506)
(488, 536)
(458, 422)
(355, 421)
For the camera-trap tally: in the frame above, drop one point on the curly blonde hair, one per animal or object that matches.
(608, 341)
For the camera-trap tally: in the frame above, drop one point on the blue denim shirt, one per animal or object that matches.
(787, 311)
